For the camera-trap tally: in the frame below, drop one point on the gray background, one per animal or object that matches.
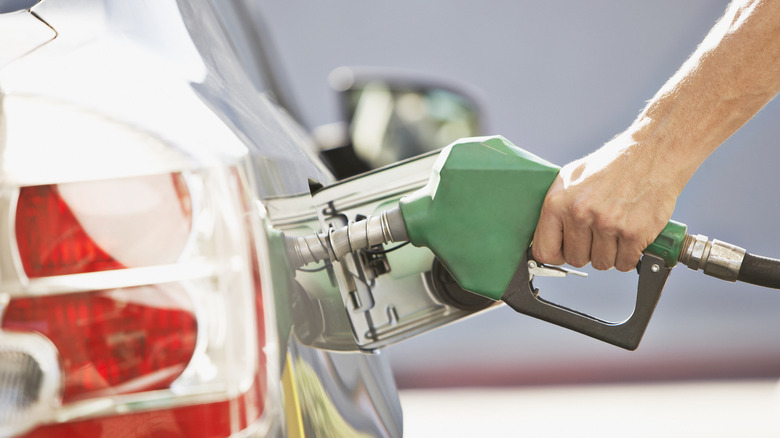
(560, 78)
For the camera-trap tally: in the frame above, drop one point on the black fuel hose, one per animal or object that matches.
(761, 271)
(729, 262)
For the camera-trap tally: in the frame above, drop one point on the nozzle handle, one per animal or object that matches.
(653, 272)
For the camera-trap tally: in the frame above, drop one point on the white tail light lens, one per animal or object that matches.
(145, 296)
(94, 226)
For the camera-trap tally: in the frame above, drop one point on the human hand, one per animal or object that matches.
(608, 207)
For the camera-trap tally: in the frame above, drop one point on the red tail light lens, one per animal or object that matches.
(101, 225)
(113, 342)
(50, 239)
(143, 296)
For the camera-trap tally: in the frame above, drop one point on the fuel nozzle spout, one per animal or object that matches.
(334, 243)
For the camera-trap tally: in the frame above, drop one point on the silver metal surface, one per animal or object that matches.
(380, 309)
(103, 89)
(716, 258)
(387, 227)
(695, 251)
(724, 260)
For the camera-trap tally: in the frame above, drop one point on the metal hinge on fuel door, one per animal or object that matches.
(394, 291)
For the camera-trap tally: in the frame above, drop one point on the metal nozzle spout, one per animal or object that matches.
(335, 243)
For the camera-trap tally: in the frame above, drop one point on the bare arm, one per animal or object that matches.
(607, 207)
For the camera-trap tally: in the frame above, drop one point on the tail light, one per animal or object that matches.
(131, 305)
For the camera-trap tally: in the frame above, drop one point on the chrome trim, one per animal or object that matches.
(114, 279)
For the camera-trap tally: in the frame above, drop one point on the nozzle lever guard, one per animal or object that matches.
(524, 298)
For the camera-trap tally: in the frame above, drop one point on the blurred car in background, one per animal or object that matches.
(151, 162)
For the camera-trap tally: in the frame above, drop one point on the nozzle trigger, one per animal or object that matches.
(524, 298)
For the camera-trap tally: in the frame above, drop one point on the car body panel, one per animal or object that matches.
(128, 89)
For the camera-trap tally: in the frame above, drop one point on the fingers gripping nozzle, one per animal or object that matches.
(336, 242)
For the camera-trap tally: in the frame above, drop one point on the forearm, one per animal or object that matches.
(608, 207)
(729, 78)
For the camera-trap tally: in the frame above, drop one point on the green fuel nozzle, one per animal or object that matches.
(478, 213)
(479, 210)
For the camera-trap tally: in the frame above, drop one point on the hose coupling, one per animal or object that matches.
(717, 259)
(335, 243)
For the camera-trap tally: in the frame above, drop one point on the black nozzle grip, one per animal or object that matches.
(653, 273)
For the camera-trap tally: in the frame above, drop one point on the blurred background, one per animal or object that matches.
(559, 79)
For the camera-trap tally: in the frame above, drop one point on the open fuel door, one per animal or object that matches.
(369, 298)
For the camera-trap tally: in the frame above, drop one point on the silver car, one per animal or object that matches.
(150, 166)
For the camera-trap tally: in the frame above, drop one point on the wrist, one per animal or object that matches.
(670, 159)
